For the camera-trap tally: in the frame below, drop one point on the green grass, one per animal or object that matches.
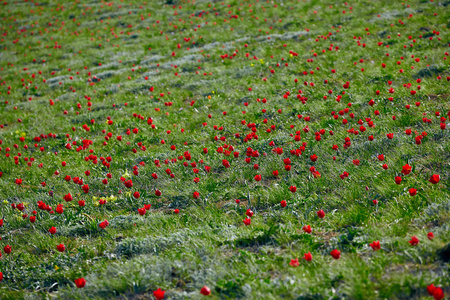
(207, 243)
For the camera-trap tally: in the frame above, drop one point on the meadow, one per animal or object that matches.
(235, 149)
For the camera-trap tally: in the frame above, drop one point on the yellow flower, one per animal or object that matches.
(23, 134)
(5, 202)
(252, 65)
(209, 96)
(126, 175)
(261, 61)
(291, 55)
(56, 268)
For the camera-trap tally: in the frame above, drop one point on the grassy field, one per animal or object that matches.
(295, 149)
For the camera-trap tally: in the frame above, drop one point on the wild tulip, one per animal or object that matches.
(398, 179)
(247, 221)
(61, 248)
(1, 276)
(249, 213)
(435, 178)
(158, 294)
(7, 249)
(438, 293)
(205, 291)
(375, 245)
(52, 230)
(414, 241)
(283, 203)
(336, 254)
(293, 188)
(80, 283)
(430, 236)
(308, 256)
(196, 195)
(412, 192)
(307, 228)
(406, 169)
(321, 214)
(258, 177)
(294, 263)
(430, 289)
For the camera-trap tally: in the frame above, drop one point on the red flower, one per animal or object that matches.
(294, 263)
(375, 245)
(293, 188)
(142, 211)
(249, 213)
(307, 228)
(321, 214)
(430, 236)
(406, 169)
(68, 197)
(414, 241)
(1, 276)
(412, 192)
(205, 291)
(434, 178)
(258, 177)
(438, 293)
(247, 221)
(158, 294)
(283, 203)
(80, 282)
(398, 179)
(136, 195)
(335, 254)
(196, 195)
(176, 211)
(61, 247)
(7, 249)
(308, 256)
(430, 289)
(52, 230)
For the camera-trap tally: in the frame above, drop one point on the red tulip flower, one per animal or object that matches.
(7, 249)
(375, 245)
(406, 169)
(430, 236)
(294, 263)
(307, 228)
(247, 221)
(283, 203)
(414, 241)
(308, 256)
(61, 247)
(205, 291)
(335, 254)
(434, 178)
(158, 294)
(80, 282)
(321, 214)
